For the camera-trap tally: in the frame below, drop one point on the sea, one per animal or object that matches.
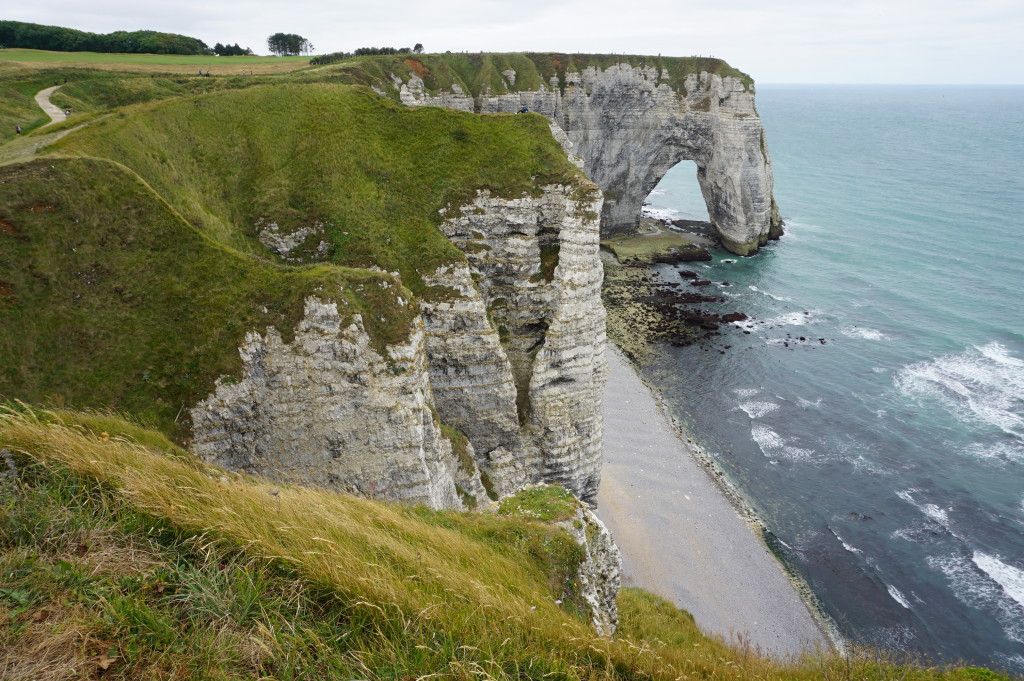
(871, 410)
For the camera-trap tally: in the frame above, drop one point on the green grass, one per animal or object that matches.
(476, 73)
(549, 503)
(120, 562)
(109, 299)
(44, 56)
(646, 246)
(374, 173)
(131, 272)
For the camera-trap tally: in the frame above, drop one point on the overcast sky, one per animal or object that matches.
(785, 41)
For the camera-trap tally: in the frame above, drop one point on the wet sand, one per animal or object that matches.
(681, 537)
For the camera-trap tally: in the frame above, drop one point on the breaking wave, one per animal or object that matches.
(982, 384)
(862, 332)
(975, 586)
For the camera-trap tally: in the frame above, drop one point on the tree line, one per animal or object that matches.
(335, 57)
(60, 39)
(232, 50)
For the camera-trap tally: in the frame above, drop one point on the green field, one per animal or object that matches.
(20, 55)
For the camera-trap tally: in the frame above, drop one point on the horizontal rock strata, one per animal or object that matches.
(508, 351)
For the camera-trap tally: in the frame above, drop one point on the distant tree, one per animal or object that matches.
(218, 50)
(418, 49)
(288, 44)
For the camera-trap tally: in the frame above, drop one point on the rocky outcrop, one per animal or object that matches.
(600, 574)
(328, 410)
(507, 349)
(538, 275)
(631, 125)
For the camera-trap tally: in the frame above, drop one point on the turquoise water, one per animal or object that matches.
(888, 459)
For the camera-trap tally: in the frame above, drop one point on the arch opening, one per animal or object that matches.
(678, 197)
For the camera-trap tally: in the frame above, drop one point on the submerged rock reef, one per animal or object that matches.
(631, 124)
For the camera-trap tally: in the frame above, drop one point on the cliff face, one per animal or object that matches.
(328, 410)
(631, 125)
(509, 350)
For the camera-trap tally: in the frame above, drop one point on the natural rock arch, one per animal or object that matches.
(630, 126)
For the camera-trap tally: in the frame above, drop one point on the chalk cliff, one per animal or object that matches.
(508, 350)
(631, 124)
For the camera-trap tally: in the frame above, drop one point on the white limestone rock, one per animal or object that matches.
(600, 573)
(327, 410)
(536, 266)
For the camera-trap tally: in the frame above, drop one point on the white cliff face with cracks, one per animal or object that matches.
(631, 126)
(538, 275)
(327, 410)
(600, 574)
(510, 353)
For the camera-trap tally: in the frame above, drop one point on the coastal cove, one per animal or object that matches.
(872, 414)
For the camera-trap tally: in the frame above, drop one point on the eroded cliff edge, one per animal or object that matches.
(507, 349)
(630, 119)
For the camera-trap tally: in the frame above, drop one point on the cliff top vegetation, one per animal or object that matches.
(482, 72)
(120, 555)
(96, 311)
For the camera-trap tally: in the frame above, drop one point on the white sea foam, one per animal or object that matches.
(774, 445)
(1010, 578)
(862, 332)
(851, 549)
(974, 586)
(807, 404)
(756, 410)
(744, 393)
(660, 213)
(766, 438)
(781, 299)
(790, 319)
(997, 451)
(939, 515)
(983, 384)
(897, 596)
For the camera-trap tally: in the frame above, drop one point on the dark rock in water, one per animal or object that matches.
(691, 254)
(687, 274)
(710, 326)
(734, 317)
(700, 282)
(821, 340)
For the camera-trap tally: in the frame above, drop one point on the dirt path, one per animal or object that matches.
(55, 113)
(681, 538)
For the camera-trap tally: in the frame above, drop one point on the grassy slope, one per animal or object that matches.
(107, 298)
(374, 172)
(144, 561)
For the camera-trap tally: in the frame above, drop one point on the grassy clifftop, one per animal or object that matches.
(477, 73)
(108, 298)
(372, 173)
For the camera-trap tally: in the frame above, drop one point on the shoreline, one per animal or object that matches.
(747, 593)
